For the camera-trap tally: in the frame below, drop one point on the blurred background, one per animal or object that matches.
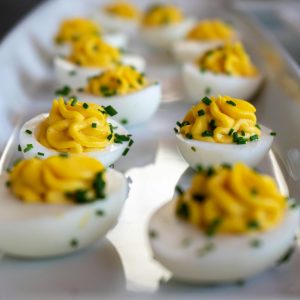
(281, 17)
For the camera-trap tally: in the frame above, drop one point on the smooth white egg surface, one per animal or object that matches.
(40, 230)
(74, 76)
(113, 23)
(107, 156)
(193, 257)
(199, 84)
(206, 154)
(134, 108)
(165, 36)
(190, 50)
(115, 39)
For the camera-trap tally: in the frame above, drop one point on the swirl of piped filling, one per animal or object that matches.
(221, 119)
(61, 179)
(231, 200)
(75, 127)
(123, 10)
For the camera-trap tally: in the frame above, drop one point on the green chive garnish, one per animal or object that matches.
(28, 148)
(85, 105)
(201, 112)
(65, 91)
(125, 151)
(94, 125)
(40, 154)
(207, 133)
(253, 137)
(231, 131)
(273, 133)
(193, 148)
(231, 103)
(74, 102)
(28, 131)
(206, 101)
(110, 110)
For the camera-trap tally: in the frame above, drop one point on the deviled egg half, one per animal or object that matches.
(90, 56)
(75, 127)
(129, 91)
(230, 224)
(206, 35)
(120, 16)
(227, 70)
(222, 130)
(73, 29)
(58, 205)
(162, 25)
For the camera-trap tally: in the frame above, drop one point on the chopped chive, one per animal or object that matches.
(199, 168)
(253, 137)
(99, 213)
(210, 171)
(74, 101)
(206, 101)
(64, 154)
(193, 149)
(130, 143)
(175, 130)
(85, 105)
(153, 234)
(119, 138)
(213, 227)
(189, 136)
(273, 133)
(207, 133)
(99, 185)
(125, 151)
(256, 243)
(257, 126)
(40, 154)
(253, 224)
(226, 166)
(212, 124)
(65, 91)
(28, 148)
(207, 90)
(230, 102)
(230, 131)
(185, 123)
(286, 257)
(183, 211)
(178, 124)
(109, 137)
(94, 125)
(124, 121)
(74, 243)
(110, 110)
(80, 90)
(198, 198)
(201, 112)
(8, 183)
(28, 131)
(243, 133)
(19, 148)
(179, 190)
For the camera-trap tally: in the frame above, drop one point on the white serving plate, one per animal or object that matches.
(121, 266)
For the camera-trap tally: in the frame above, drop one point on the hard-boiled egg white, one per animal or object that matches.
(222, 130)
(204, 36)
(193, 257)
(42, 230)
(205, 153)
(28, 136)
(226, 70)
(115, 39)
(74, 76)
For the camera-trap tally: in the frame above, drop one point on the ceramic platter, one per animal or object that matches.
(121, 266)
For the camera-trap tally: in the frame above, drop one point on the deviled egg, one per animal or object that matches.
(206, 35)
(162, 25)
(89, 57)
(73, 29)
(58, 205)
(75, 127)
(120, 16)
(127, 90)
(222, 130)
(230, 224)
(227, 70)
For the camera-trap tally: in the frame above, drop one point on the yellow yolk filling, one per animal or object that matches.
(159, 15)
(75, 127)
(236, 200)
(91, 51)
(221, 119)
(231, 59)
(72, 30)
(123, 10)
(58, 180)
(121, 80)
(211, 30)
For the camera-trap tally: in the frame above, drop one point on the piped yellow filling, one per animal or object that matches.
(123, 9)
(71, 30)
(75, 127)
(121, 80)
(161, 15)
(230, 59)
(221, 119)
(91, 51)
(211, 30)
(232, 200)
(58, 180)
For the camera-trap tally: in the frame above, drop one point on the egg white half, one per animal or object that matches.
(206, 154)
(193, 257)
(199, 84)
(41, 230)
(107, 156)
(116, 39)
(133, 108)
(163, 37)
(113, 23)
(190, 50)
(75, 76)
